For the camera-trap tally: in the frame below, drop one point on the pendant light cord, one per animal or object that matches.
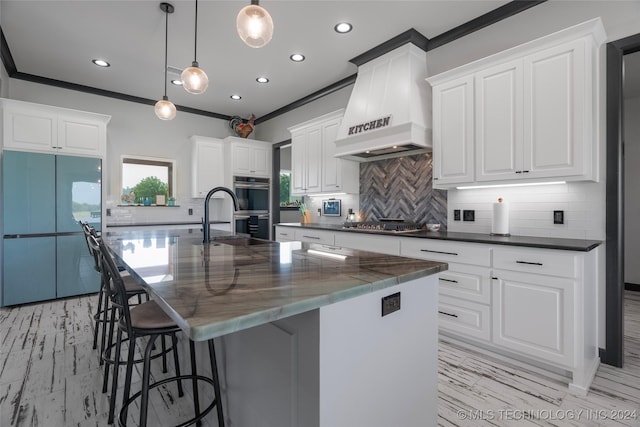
(166, 50)
(195, 42)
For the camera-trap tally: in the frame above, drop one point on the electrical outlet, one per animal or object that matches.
(558, 217)
(190, 211)
(108, 212)
(468, 215)
(456, 214)
(390, 303)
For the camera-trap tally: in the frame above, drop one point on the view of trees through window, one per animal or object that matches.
(286, 199)
(144, 179)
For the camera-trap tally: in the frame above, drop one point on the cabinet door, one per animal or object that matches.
(80, 136)
(208, 168)
(534, 315)
(554, 111)
(29, 270)
(453, 132)
(242, 159)
(331, 166)
(298, 163)
(314, 160)
(498, 110)
(30, 130)
(261, 165)
(75, 267)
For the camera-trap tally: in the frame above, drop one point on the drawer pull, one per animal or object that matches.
(447, 314)
(529, 263)
(494, 278)
(448, 280)
(438, 252)
(312, 237)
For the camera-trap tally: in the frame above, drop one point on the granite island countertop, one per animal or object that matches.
(582, 245)
(234, 283)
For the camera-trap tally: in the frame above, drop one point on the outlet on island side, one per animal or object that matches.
(558, 217)
(456, 214)
(190, 211)
(390, 303)
(469, 215)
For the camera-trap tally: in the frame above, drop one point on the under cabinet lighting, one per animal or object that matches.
(522, 184)
(325, 194)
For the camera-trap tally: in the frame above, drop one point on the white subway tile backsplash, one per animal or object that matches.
(531, 209)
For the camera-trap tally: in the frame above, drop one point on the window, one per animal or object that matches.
(144, 178)
(286, 199)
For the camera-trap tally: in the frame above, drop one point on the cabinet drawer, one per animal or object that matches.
(315, 236)
(364, 242)
(284, 234)
(537, 261)
(456, 252)
(464, 317)
(466, 282)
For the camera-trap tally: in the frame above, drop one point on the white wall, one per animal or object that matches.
(631, 196)
(135, 130)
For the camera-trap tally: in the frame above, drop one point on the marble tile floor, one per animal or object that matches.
(49, 376)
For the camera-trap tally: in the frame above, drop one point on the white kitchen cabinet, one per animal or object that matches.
(314, 169)
(535, 115)
(367, 242)
(207, 166)
(249, 157)
(464, 317)
(47, 129)
(284, 234)
(453, 132)
(314, 236)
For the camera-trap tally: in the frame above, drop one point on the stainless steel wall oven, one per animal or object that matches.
(253, 214)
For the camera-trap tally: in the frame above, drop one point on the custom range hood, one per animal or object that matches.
(389, 112)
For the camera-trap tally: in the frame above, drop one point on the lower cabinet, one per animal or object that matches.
(534, 315)
(284, 234)
(464, 317)
(366, 242)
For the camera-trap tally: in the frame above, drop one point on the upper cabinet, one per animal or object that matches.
(314, 169)
(47, 129)
(249, 157)
(207, 166)
(526, 114)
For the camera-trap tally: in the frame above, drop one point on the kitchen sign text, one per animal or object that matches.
(373, 124)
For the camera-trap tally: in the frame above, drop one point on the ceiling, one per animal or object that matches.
(58, 40)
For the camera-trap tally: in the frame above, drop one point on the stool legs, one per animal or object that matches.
(97, 317)
(216, 382)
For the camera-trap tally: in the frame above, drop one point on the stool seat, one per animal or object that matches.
(149, 316)
(131, 286)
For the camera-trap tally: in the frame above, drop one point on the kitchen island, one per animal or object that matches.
(310, 335)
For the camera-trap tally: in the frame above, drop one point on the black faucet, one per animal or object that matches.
(205, 222)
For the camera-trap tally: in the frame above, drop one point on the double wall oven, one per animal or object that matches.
(253, 215)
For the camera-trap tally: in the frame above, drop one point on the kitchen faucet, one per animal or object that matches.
(205, 222)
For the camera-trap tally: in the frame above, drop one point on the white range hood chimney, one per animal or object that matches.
(389, 112)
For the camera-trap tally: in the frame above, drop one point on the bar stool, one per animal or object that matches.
(101, 317)
(149, 320)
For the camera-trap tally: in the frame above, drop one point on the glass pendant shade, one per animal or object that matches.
(194, 79)
(165, 110)
(255, 26)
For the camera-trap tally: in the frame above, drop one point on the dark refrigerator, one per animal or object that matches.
(44, 252)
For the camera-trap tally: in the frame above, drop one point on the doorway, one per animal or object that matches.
(614, 294)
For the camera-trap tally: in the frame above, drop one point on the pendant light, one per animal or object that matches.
(255, 26)
(165, 110)
(194, 79)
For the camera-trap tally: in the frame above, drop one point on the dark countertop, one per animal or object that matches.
(581, 245)
(156, 224)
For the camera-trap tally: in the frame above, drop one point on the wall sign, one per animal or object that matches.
(372, 125)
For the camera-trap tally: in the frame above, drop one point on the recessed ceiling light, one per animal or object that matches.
(176, 82)
(101, 63)
(297, 57)
(262, 80)
(235, 97)
(343, 27)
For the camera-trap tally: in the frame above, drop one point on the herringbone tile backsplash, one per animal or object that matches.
(401, 188)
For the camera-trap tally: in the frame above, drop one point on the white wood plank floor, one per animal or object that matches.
(49, 376)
